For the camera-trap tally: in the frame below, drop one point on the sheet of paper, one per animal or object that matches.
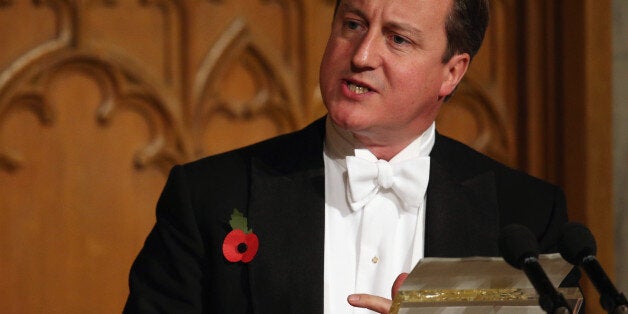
(479, 273)
(477, 285)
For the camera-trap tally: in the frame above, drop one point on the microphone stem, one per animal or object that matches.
(550, 299)
(610, 298)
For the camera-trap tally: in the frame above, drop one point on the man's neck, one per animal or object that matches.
(388, 147)
(344, 142)
(386, 152)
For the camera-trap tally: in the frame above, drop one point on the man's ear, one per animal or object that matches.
(454, 70)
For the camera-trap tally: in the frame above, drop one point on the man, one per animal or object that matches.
(339, 209)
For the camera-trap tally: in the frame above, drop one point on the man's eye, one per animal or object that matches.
(398, 39)
(352, 24)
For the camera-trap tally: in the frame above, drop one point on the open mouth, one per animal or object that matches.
(358, 89)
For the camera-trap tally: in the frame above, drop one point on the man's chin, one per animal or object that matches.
(347, 123)
(349, 120)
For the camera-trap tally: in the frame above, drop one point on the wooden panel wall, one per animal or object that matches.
(99, 98)
(585, 100)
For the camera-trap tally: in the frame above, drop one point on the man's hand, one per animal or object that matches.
(375, 303)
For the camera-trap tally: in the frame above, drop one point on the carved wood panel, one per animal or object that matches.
(99, 98)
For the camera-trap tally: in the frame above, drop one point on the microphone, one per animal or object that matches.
(577, 246)
(520, 249)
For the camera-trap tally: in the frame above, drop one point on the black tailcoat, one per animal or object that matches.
(279, 186)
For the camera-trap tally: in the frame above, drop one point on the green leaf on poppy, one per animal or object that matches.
(238, 221)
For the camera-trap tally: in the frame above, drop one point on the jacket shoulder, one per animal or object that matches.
(282, 151)
(521, 198)
(464, 162)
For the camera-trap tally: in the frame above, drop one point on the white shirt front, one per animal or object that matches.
(365, 250)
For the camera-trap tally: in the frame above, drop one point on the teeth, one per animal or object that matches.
(357, 89)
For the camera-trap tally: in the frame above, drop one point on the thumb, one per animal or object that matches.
(397, 284)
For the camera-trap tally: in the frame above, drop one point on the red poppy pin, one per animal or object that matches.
(241, 243)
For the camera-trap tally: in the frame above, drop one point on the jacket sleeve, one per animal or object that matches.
(166, 276)
(548, 241)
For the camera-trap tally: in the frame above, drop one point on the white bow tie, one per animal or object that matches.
(407, 179)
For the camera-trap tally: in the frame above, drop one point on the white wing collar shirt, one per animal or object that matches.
(374, 216)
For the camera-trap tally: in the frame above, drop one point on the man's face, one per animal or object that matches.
(382, 75)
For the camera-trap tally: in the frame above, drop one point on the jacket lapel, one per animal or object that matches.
(287, 213)
(462, 211)
(287, 210)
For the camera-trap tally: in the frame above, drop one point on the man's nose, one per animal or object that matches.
(367, 54)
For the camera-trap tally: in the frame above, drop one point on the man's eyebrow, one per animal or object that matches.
(349, 8)
(405, 28)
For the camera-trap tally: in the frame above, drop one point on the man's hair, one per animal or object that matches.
(465, 27)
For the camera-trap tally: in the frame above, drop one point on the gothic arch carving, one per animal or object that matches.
(276, 95)
(120, 88)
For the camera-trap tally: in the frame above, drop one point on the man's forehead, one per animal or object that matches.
(400, 11)
(400, 6)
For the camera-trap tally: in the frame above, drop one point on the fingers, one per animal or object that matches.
(371, 302)
(397, 284)
(376, 303)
